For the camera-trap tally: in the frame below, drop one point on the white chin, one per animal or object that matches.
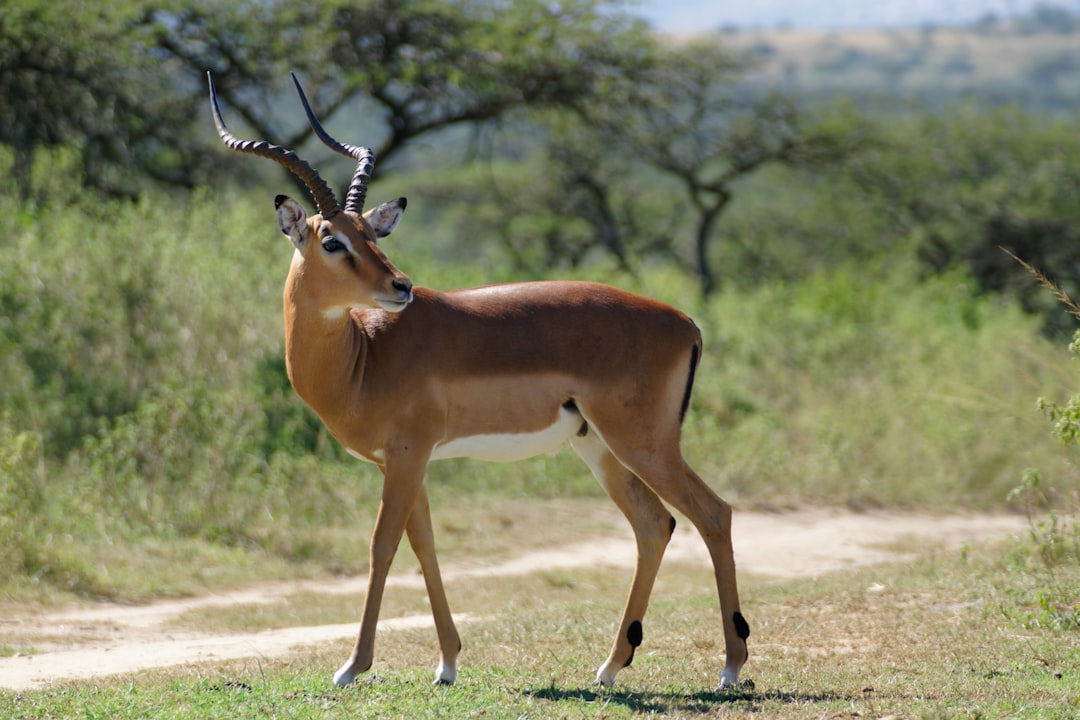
(393, 307)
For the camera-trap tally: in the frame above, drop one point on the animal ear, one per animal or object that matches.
(384, 218)
(292, 218)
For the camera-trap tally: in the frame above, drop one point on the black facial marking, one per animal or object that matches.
(742, 628)
(671, 530)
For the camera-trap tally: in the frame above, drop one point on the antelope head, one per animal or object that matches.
(337, 259)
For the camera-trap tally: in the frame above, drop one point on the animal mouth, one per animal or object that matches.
(396, 304)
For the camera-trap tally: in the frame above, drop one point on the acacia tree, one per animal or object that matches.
(70, 77)
(417, 66)
(124, 83)
(651, 161)
(690, 118)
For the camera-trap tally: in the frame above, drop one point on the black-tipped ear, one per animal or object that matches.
(384, 218)
(292, 218)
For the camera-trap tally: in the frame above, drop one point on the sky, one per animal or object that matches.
(706, 15)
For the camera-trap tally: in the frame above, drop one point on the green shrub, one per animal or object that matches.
(172, 465)
(22, 500)
(870, 389)
(1044, 562)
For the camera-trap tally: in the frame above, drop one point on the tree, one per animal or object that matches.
(553, 193)
(690, 118)
(682, 131)
(70, 77)
(124, 83)
(417, 66)
(958, 186)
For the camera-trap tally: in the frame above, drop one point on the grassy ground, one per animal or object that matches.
(981, 632)
(150, 446)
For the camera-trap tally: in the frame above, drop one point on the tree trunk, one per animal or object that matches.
(702, 263)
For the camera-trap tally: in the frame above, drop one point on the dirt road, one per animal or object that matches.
(107, 640)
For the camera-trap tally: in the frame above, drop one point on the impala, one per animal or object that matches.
(404, 375)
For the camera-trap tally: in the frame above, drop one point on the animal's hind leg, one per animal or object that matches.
(652, 525)
(675, 482)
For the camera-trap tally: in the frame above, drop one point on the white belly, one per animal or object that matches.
(513, 446)
(376, 457)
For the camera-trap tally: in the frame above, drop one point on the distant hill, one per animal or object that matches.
(702, 15)
(1001, 62)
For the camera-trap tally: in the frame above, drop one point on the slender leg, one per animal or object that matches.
(422, 539)
(675, 482)
(652, 525)
(402, 482)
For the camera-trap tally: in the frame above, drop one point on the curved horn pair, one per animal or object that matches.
(364, 157)
(320, 191)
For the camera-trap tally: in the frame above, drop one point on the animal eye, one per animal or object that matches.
(332, 244)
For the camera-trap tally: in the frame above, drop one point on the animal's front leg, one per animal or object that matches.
(422, 539)
(402, 482)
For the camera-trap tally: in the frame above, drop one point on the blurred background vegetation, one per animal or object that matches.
(828, 206)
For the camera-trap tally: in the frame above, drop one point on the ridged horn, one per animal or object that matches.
(320, 191)
(364, 157)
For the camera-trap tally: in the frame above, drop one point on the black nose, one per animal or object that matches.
(402, 286)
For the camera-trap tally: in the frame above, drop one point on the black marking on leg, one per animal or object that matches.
(633, 636)
(671, 530)
(570, 405)
(584, 430)
(742, 628)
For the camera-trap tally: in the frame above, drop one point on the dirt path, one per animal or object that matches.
(110, 640)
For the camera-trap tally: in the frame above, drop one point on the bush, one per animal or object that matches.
(22, 500)
(870, 390)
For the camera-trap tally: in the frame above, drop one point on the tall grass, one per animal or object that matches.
(144, 398)
(875, 390)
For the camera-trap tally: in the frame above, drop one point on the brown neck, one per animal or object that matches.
(324, 355)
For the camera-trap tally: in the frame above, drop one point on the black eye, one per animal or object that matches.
(332, 244)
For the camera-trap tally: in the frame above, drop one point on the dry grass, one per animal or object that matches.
(945, 636)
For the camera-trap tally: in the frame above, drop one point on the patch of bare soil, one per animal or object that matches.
(104, 640)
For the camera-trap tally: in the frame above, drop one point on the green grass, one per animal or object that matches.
(953, 635)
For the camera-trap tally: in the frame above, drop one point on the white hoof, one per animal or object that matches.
(446, 674)
(728, 679)
(344, 676)
(605, 676)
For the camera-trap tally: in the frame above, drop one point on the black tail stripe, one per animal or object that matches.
(694, 352)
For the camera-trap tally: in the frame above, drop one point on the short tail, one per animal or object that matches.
(695, 355)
